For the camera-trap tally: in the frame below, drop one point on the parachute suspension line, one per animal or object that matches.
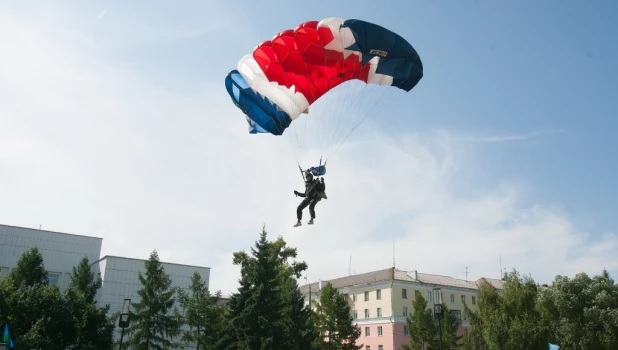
(376, 108)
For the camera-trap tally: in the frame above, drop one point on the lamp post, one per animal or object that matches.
(437, 310)
(123, 322)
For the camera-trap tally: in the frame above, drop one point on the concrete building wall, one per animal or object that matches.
(61, 251)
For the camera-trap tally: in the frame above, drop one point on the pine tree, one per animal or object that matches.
(83, 280)
(153, 325)
(300, 333)
(267, 313)
(94, 329)
(334, 322)
(421, 324)
(203, 314)
(449, 323)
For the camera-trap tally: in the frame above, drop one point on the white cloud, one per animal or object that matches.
(517, 137)
(89, 147)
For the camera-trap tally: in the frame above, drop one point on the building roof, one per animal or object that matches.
(144, 260)
(56, 232)
(401, 275)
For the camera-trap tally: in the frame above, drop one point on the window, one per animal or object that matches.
(404, 293)
(354, 297)
(416, 293)
(405, 311)
(54, 278)
(379, 312)
(463, 299)
(4, 272)
(452, 298)
(366, 296)
(366, 313)
(367, 331)
(355, 314)
(379, 294)
(473, 300)
(405, 330)
(457, 314)
(368, 347)
(379, 331)
(380, 347)
(429, 295)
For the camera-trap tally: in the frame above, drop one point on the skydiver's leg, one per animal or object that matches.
(299, 210)
(312, 210)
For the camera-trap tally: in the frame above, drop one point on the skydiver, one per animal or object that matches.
(314, 192)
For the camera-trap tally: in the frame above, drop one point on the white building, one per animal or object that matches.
(62, 251)
(120, 279)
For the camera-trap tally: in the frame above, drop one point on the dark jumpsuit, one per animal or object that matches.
(311, 198)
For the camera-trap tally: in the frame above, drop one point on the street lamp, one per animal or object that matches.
(437, 310)
(123, 322)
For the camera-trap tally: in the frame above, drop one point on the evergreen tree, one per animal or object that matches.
(421, 324)
(334, 322)
(265, 311)
(153, 325)
(300, 332)
(83, 280)
(449, 323)
(203, 314)
(94, 329)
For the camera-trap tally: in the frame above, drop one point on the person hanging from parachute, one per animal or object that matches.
(276, 83)
(315, 191)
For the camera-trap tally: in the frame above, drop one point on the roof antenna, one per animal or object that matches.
(393, 254)
(466, 273)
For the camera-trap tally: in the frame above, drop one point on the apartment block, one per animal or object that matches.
(381, 301)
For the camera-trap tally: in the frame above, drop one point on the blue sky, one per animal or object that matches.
(117, 124)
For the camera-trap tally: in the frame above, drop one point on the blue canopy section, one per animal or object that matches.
(263, 116)
(318, 171)
(397, 57)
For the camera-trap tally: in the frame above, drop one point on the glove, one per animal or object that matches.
(296, 193)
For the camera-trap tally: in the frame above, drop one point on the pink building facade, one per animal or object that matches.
(381, 301)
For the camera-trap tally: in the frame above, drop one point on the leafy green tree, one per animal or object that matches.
(421, 325)
(473, 337)
(203, 313)
(509, 320)
(581, 312)
(37, 312)
(153, 324)
(30, 269)
(334, 322)
(263, 312)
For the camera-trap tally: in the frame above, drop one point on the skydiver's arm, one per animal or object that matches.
(299, 194)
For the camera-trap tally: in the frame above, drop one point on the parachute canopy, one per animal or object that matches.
(283, 76)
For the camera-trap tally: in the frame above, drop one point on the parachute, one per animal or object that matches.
(320, 70)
